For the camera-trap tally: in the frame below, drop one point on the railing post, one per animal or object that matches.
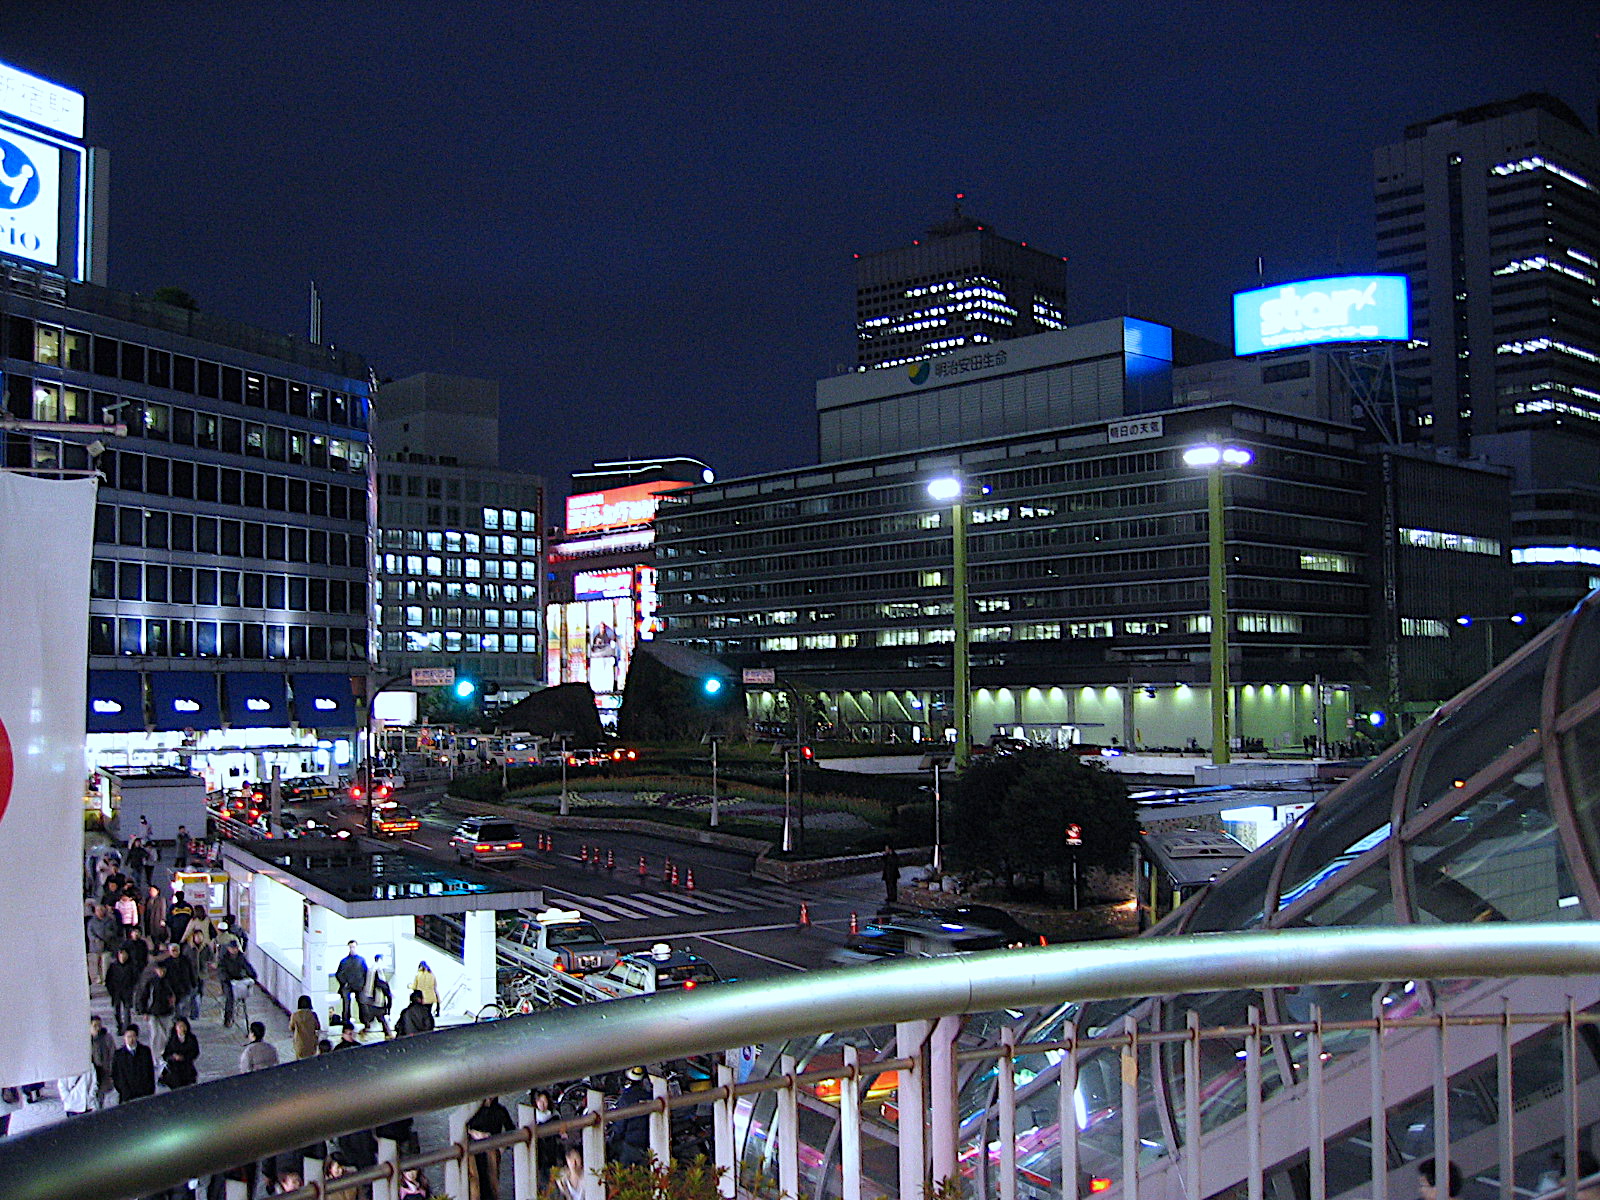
(789, 1129)
(660, 1124)
(1252, 1101)
(388, 1188)
(1441, 1104)
(910, 1041)
(1192, 1157)
(236, 1189)
(722, 1128)
(455, 1169)
(1377, 1127)
(1507, 1126)
(524, 1177)
(1130, 1109)
(313, 1170)
(1067, 1112)
(849, 1125)
(1316, 1151)
(1008, 1114)
(594, 1146)
(942, 1114)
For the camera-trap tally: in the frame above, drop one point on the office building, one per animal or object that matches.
(1494, 213)
(459, 545)
(959, 285)
(603, 574)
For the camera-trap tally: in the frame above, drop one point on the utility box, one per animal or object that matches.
(166, 796)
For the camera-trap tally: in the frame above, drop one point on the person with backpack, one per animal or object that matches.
(376, 998)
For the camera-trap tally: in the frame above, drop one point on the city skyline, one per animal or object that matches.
(644, 225)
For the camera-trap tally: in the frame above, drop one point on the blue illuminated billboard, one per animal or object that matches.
(1348, 308)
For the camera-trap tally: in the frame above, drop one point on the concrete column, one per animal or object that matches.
(478, 957)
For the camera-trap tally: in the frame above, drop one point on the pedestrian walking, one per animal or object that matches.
(181, 1055)
(137, 861)
(158, 1001)
(185, 981)
(154, 918)
(415, 1017)
(102, 1049)
(180, 849)
(483, 1174)
(304, 1028)
(133, 1071)
(234, 975)
(127, 913)
(891, 875)
(351, 976)
(258, 1053)
(428, 984)
(104, 932)
(122, 982)
(179, 913)
(376, 997)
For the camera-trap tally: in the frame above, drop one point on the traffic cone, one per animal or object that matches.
(674, 880)
(644, 868)
(583, 854)
(855, 925)
(611, 861)
(666, 872)
(805, 915)
(690, 884)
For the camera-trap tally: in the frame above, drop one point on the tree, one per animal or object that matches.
(1010, 812)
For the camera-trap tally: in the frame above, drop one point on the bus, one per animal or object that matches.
(1175, 865)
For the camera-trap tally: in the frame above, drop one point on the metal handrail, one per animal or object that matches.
(160, 1142)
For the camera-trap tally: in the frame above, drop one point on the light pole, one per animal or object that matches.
(1214, 460)
(712, 740)
(1466, 620)
(952, 490)
(934, 762)
(563, 735)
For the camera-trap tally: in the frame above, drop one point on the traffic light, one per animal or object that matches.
(465, 689)
(805, 752)
(711, 685)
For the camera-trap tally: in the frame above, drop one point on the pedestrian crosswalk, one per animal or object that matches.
(654, 906)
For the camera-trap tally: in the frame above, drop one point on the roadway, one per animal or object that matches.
(746, 927)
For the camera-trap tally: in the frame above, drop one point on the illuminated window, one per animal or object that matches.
(1268, 623)
(1089, 629)
(1422, 627)
(1429, 539)
(1323, 560)
(899, 637)
(931, 578)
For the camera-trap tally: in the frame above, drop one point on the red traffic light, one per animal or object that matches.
(805, 752)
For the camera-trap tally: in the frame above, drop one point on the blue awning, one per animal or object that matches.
(255, 699)
(323, 701)
(116, 702)
(185, 700)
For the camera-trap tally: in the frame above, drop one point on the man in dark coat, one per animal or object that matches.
(179, 914)
(630, 1144)
(891, 875)
(133, 1071)
(415, 1017)
(122, 983)
(351, 975)
(232, 967)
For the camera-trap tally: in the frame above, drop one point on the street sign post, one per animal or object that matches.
(759, 676)
(432, 676)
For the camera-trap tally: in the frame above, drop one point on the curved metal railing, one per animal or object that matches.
(161, 1142)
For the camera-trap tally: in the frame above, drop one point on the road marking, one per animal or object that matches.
(705, 933)
(777, 962)
(419, 845)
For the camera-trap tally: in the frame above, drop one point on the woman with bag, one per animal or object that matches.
(181, 1054)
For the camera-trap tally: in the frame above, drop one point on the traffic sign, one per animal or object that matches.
(760, 675)
(432, 676)
(1074, 835)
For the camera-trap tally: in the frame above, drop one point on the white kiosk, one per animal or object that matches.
(301, 902)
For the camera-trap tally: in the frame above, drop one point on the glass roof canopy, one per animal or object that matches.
(1486, 812)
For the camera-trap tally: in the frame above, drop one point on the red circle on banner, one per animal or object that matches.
(5, 769)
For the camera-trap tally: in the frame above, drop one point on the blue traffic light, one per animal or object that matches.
(711, 686)
(465, 688)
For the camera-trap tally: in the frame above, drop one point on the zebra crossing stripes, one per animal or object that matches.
(647, 906)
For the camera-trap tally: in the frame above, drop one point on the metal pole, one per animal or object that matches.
(722, 1134)
(715, 816)
(938, 840)
(594, 1147)
(849, 1126)
(563, 777)
(661, 1124)
(1007, 1101)
(788, 841)
(525, 1156)
(789, 1127)
(1220, 753)
(942, 1114)
(910, 1039)
(963, 697)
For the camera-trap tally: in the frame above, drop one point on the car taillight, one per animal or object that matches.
(1042, 940)
(1099, 1185)
(559, 966)
(513, 845)
(688, 984)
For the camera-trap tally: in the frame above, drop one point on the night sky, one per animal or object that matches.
(640, 219)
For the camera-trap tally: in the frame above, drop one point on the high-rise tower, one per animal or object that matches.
(1494, 213)
(960, 284)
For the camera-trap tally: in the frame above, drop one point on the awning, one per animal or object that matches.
(185, 700)
(116, 702)
(323, 701)
(255, 699)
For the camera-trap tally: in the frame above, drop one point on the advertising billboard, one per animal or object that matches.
(30, 197)
(1346, 308)
(603, 585)
(616, 508)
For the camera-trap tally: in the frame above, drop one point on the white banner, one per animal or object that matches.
(46, 537)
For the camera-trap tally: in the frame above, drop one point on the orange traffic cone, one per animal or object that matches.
(690, 884)
(583, 854)
(644, 868)
(674, 880)
(805, 915)
(855, 925)
(611, 861)
(666, 872)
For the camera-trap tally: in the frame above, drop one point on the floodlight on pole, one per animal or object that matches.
(1214, 460)
(953, 490)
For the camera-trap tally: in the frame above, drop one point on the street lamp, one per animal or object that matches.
(954, 491)
(933, 762)
(1466, 620)
(1214, 460)
(563, 735)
